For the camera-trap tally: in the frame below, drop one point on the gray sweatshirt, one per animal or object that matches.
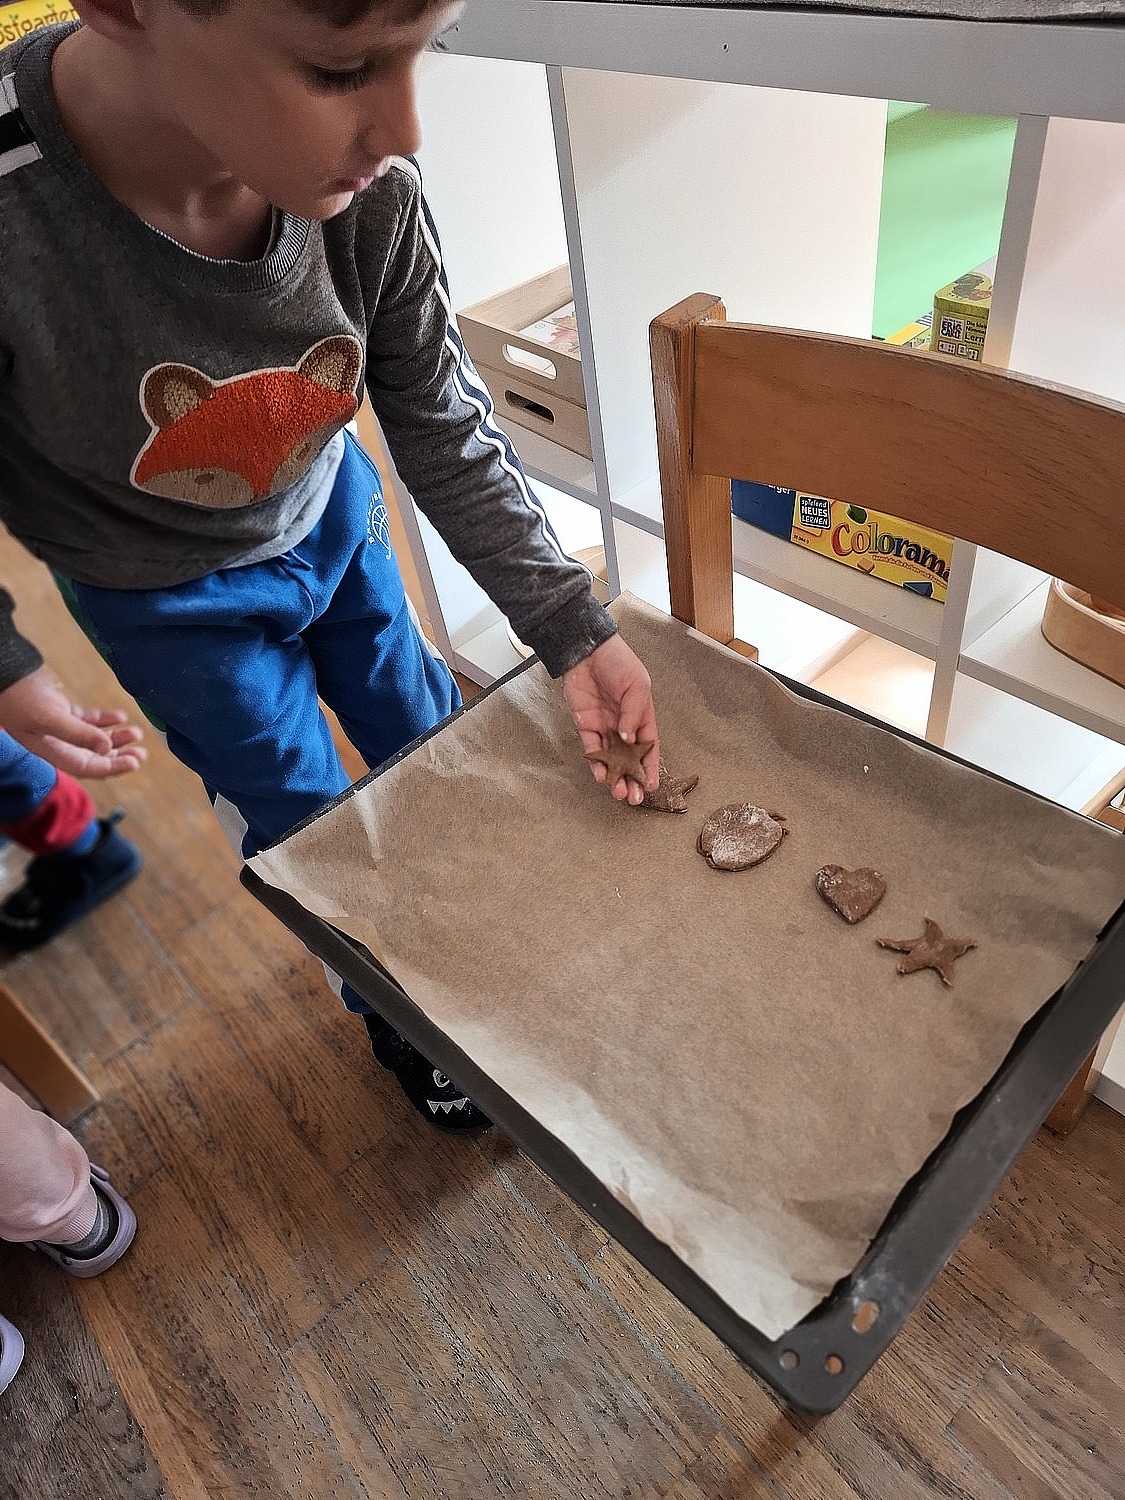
(164, 415)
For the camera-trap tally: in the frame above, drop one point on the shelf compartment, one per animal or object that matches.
(547, 462)
(882, 680)
(1024, 743)
(486, 655)
(866, 603)
(791, 636)
(1013, 656)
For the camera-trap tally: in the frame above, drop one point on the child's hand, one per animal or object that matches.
(90, 742)
(610, 693)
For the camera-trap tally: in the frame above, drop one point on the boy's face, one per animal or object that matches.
(303, 112)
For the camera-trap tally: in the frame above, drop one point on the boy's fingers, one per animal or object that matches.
(126, 734)
(651, 763)
(120, 765)
(75, 731)
(102, 717)
(135, 753)
(645, 730)
(591, 740)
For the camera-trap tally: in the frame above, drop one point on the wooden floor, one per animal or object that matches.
(327, 1299)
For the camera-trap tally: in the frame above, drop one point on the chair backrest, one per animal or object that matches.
(1028, 469)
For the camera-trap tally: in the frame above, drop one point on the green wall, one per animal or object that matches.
(944, 181)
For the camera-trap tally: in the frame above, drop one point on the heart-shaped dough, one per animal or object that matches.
(853, 893)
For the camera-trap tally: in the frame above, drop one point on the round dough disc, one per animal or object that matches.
(739, 835)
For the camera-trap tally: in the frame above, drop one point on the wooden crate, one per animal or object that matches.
(530, 382)
(1102, 806)
(516, 400)
(1093, 636)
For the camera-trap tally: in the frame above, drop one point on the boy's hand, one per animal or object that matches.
(90, 742)
(610, 693)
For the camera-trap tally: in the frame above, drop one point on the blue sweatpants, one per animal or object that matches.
(230, 666)
(25, 780)
(43, 810)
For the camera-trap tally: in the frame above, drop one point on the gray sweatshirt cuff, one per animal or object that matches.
(18, 658)
(568, 636)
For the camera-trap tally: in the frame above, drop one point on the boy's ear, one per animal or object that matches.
(117, 19)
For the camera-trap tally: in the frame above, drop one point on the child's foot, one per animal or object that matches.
(11, 1353)
(107, 1241)
(60, 888)
(429, 1090)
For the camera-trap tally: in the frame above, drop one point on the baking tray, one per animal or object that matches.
(817, 1363)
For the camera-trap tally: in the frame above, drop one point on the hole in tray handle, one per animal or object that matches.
(521, 403)
(866, 1316)
(523, 359)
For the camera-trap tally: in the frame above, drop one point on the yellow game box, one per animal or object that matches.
(914, 557)
(915, 335)
(961, 314)
(22, 16)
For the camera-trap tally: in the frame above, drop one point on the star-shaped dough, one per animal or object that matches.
(671, 793)
(620, 759)
(933, 950)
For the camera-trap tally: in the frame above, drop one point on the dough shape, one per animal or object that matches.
(671, 794)
(739, 835)
(854, 894)
(621, 759)
(933, 950)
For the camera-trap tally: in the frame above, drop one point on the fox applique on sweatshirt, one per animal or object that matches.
(234, 442)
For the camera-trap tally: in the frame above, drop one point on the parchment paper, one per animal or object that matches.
(739, 1066)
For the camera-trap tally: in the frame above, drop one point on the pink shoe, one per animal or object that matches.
(120, 1213)
(11, 1353)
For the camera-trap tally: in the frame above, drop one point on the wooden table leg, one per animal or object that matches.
(1080, 1089)
(1066, 1113)
(40, 1064)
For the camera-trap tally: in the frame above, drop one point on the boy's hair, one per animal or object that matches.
(336, 12)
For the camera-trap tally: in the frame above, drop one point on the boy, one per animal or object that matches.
(210, 227)
(80, 858)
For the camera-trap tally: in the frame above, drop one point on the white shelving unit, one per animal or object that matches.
(1014, 657)
(668, 149)
(590, 166)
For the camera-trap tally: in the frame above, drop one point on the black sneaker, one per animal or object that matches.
(60, 888)
(432, 1093)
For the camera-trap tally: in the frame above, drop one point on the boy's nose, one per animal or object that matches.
(397, 130)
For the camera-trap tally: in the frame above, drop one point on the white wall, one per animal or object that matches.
(1070, 327)
(769, 199)
(490, 172)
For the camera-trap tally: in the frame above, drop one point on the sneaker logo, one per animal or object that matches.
(447, 1106)
(444, 1083)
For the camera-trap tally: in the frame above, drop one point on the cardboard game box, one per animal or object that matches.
(18, 19)
(899, 552)
(915, 335)
(961, 314)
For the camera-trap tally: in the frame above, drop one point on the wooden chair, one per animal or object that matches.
(1027, 469)
(32, 1057)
